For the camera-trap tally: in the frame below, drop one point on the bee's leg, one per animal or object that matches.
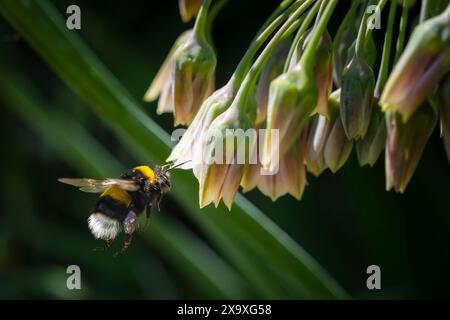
(148, 212)
(130, 224)
(105, 247)
(126, 244)
(157, 201)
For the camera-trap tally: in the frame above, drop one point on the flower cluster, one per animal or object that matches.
(300, 100)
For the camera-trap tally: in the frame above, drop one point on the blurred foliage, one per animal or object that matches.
(345, 221)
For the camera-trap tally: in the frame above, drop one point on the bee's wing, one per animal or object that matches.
(96, 186)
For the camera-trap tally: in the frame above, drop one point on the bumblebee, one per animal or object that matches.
(123, 200)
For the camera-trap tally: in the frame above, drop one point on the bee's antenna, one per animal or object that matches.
(172, 166)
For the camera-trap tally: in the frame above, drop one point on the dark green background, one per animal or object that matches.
(346, 221)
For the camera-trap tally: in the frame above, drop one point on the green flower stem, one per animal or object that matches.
(212, 16)
(252, 75)
(307, 60)
(214, 11)
(424, 10)
(402, 31)
(293, 27)
(348, 18)
(384, 69)
(380, 8)
(201, 21)
(364, 32)
(266, 30)
(323, 5)
(305, 25)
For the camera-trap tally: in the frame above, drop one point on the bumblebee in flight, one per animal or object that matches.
(123, 200)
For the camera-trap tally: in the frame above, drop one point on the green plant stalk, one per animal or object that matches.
(272, 23)
(42, 27)
(200, 26)
(402, 32)
(386, 55)
(364, 32)
(380, 7)
(212, 16)
(307, 59)
(348, 18)
(252, 75)
(424, 9)
(304, 26)
(323, 5)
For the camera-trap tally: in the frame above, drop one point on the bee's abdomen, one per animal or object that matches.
(106, 219)
(111, 207)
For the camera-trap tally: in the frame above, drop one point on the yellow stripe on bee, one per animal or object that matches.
(147, 172)
(118, 194)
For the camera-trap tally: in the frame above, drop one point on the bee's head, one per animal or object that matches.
(163, 178)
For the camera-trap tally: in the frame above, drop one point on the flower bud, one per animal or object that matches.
(369, 52)
(292, 98)
(193, 72)
(343, 41)
(405, 144)
(370, 148)
(337, 147)
(358, 83)
(189, 9)
(315, 135)
(161, 85)
(444, 110)
(422, 65)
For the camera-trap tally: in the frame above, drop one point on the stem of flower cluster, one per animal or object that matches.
(301, 31)
(387, 46)
(364, 32)
(424, 10)
(254, 71)
(402, 31)
(323, 5)
(268, 28)
(212, 16)
(201, 20)
(308, 57)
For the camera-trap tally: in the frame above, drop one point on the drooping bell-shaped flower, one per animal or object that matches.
(370, 147)
(323, 67)
(189, 150)
(290, 178)
(358, 83)
(422, 65)
(444, 112)
(405, 144)
(193, 67)
(193, 73)
(161, 85)
(189, 9)
(230, 139)
(338, 147)
(292, 98)
(315, 135)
